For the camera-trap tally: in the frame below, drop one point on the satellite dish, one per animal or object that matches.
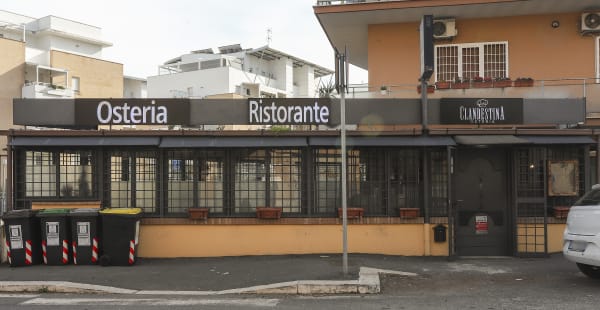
(439, 28)
(592, 20)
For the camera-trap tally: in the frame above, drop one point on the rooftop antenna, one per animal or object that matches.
(269, 36)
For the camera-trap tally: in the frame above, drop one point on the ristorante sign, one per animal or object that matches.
(290, 111)
(132, 111)
(481, 111)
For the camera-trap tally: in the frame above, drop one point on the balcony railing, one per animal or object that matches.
(588, 88)
(40, 90)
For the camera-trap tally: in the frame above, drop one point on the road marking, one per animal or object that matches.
(252, 302)
(18, 296)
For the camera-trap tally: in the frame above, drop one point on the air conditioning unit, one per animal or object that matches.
(444, 28)
(590, 22)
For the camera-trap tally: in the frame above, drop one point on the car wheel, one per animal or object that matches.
(589, 270)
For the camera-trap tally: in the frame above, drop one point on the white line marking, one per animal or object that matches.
(18, 296)
(253, 302)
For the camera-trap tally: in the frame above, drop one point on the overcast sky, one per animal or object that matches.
(147, 33)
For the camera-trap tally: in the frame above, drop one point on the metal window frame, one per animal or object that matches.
(461, 46)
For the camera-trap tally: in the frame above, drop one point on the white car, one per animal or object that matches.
(581, 239)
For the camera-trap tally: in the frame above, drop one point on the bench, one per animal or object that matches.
(38, 205)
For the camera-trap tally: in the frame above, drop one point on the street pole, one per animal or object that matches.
(344, 200)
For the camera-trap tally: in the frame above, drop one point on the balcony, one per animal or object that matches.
(588, 88)
(39, 90)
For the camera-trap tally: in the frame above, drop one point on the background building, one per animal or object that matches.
(234, 72)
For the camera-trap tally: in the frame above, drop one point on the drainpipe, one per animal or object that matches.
(9, 172)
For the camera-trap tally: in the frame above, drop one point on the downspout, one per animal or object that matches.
(9, 171)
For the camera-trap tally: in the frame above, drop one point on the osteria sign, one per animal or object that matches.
(132, 111)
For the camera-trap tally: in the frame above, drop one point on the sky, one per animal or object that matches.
(147, 33)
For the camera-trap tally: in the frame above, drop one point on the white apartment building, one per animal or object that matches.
(234, 72)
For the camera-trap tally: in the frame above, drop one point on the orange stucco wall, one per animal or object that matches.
(535, 49)
(236, 240)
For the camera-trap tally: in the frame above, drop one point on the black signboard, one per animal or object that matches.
(136, 111)
(481, 111)
(289, 111)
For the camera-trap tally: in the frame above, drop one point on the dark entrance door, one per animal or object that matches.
(482, 196)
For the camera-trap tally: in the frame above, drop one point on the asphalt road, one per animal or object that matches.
(501, 283)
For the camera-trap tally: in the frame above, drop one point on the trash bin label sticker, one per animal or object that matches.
(52, 234)
(137, 232)
(481, 225)
(16, 237)
(83, 234)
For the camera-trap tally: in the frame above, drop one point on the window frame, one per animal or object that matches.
(481, 46)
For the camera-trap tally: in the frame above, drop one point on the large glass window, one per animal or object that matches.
(65, 175)
(487, 60)
(133, 177)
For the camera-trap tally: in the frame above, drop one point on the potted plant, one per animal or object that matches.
(198, 213)
(502, 82)
(482, 82)
(523, 82)
(352, 213)
(561, 212)
(430, 89)
(442, 84)
(268, 213)
(409, 213)
(383, 89)
(461, 83)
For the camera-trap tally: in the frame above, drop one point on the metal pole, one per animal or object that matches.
(344, 200)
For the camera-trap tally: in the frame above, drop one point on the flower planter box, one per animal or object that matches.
(503, 83)
(462, 85)
(430, 89)
(482, 84)
(525, 83)
(268, 213)
(442, 85)
(352, 213)
(409, 213)
(561, 212)
(198, 213)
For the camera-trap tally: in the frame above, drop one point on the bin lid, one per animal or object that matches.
(17, 214)
(122, 211)
(84, 212)
(53, 212)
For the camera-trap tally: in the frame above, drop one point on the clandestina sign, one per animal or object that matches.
(481, 111)
(132, 111)
(289, 111)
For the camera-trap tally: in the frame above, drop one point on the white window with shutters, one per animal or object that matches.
(470, 60)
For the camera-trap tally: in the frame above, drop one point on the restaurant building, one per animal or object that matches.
(492, 190)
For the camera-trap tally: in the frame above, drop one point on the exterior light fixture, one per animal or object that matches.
(555, 24)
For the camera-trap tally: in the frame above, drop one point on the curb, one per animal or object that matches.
(367, 283)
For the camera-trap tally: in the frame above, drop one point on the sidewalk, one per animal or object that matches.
(290, 274)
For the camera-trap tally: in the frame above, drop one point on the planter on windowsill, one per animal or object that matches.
(268, 213)
(430, 89)
(461, 85)
(484, 84)
(442, 85)
(409, 213)
(198, 213)
(503, 83)
(352, 213)
(561, 212)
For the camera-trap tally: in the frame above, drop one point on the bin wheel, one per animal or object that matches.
(104, 260)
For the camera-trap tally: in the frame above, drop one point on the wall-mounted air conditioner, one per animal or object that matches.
(590, 22)
(444, 28)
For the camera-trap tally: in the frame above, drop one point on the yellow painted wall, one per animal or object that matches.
(12, 77)
(531, 239)
(236, 240)
(555, 237)
(98, 78)
(534, 47)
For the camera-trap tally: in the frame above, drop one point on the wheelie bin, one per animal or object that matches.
(120, 236)
(22, 231)
(56, 234)
(85, 229)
